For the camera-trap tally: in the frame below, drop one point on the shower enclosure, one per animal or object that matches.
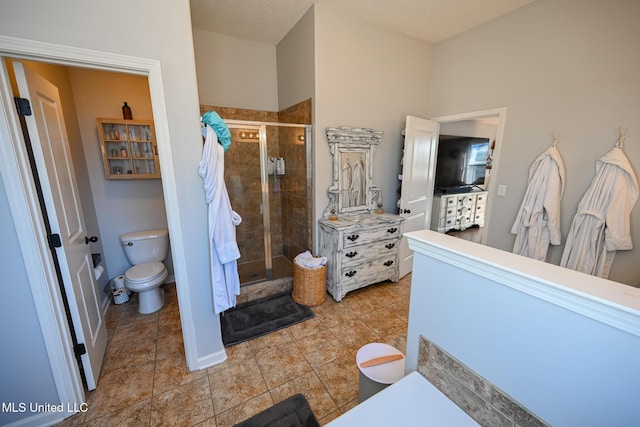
(267, 174)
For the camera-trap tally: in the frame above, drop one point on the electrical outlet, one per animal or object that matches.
(502, 190)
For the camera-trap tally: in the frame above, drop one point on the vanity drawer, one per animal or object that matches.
(357, 254)
(371, 235)
(375, 271)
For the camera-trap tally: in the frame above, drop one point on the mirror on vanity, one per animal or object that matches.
(360, 243)
(352, 190)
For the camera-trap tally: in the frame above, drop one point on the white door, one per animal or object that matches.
(52, 155)
(418, 172)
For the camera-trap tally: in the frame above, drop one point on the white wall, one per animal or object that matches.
(562, 343)
(296, 63)
(366, 76)
(144, 29)
(121, 206)
(233, 72)
(566, 66)
(24, 366)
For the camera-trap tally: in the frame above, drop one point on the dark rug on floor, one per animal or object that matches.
(292, 412)
(260, 317)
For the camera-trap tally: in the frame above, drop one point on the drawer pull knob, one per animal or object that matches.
(353, 237)
(392, 230)
(389, 245)
(351, 254)
(388, 263)
(350, 273)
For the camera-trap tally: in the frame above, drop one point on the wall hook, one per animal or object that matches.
(621, 138)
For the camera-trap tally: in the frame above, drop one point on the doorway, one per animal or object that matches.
(109, 208)
(484, 124)
(419, 167)
(27, 220)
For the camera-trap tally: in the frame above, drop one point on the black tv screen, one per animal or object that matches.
(461, 162)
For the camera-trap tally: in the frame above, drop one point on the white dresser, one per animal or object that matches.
(458, 211)
(362, 249)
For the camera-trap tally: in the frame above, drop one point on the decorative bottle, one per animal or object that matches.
(126, 112)
(123, 152)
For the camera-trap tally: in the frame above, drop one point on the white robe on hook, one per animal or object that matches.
(537, 224)
(222, 226)
(602, 224)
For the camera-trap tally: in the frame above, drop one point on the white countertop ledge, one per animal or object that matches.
(609, 302)
(412, 401)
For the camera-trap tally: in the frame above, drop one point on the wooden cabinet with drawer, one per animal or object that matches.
(361, 250)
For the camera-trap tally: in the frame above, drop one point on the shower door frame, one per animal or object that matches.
(261, 127)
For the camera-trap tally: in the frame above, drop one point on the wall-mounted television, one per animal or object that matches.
(461, 163)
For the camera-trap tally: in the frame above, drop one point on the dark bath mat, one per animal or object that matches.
(260, 317)
(292, 412)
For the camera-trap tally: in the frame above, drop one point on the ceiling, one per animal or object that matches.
(268, 21)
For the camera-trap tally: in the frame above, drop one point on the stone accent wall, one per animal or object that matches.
(483, 401)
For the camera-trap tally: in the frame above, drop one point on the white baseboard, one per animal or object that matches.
(38, 420)
(211, 360)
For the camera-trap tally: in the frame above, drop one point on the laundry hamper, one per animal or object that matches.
(309, 285)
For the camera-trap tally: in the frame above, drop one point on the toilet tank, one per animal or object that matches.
(145, 246)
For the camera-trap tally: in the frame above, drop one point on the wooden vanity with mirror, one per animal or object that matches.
(361, 245)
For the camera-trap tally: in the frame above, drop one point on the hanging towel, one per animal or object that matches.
(537, 224)
(602, 224)
(222, 226)
(219, 126)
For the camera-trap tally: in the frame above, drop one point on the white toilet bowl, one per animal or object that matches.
(146, 250)
(145, 279)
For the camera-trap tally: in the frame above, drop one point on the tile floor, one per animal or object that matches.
(145, 381)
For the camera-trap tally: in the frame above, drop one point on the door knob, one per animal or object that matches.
(91, 239)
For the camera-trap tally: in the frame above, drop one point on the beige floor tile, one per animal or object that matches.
(333, 313)
(172, 372)
(236, 384)
(340, 377)
(282, 365)
(129, 354)
(244, 410)
(271, 341)
(397, 340)
(235, 354)
(400, 309)
(306, 328)
(120, 388)
(131, 329)
(384, 322)
(169, 345)
(135, 415)
(186, 405)
(169, 319)
(354, 334)
(322, 348)
(145, 380)
(313, 390)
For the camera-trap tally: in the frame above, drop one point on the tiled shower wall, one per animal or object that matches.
(289, 207)
(483, 401)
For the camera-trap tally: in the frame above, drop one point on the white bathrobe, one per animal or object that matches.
(222, 226)
(537, 224)
(601, 225)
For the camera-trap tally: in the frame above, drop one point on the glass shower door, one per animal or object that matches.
(243, 178)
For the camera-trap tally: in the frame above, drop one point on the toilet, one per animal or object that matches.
(146, 250)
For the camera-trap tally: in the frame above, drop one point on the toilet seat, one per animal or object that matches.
(146, 272)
